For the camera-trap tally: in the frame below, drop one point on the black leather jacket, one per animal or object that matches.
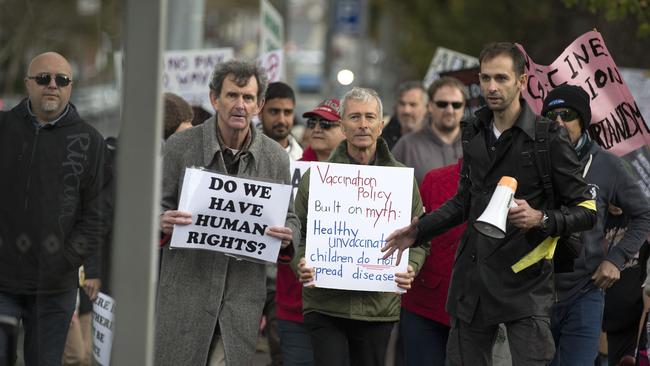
(482, 271)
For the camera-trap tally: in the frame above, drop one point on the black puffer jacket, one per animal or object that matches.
(55, 200)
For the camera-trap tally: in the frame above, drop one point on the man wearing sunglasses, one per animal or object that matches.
(437, 144)
(577, 315)
(507, 280)
(55, 211)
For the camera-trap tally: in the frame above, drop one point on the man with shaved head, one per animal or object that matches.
(54, 189)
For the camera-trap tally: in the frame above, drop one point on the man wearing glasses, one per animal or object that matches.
(505, 280)
(55, 208)
(577, 315)
(438, 143)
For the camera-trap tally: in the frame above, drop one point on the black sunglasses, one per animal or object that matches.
(566, 116)
(45, 79)
(324, 124)
(443, 104)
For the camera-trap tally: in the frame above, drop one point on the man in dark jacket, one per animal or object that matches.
(505, 280)
(55, 207)
(577, 315)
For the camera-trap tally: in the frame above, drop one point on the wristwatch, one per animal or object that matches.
(544, 223)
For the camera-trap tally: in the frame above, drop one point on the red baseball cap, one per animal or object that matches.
(327, 109)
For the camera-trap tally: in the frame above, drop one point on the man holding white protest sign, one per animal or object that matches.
(353, 326)
(207, 300)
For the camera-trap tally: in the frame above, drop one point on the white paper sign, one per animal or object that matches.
(103, 310)
(231, 214)
(298, 169)
(352, 209)
(187, 73)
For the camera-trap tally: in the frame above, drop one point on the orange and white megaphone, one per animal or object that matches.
(492, 222)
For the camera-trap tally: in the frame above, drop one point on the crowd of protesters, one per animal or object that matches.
(461, 288)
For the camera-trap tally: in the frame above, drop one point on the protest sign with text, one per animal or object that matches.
(187, 73)
(231, 214)
(445, 59)
(616, 123)
(351, 211)
(103, 313)
(298, 169)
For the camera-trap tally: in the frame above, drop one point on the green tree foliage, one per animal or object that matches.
(619, 10)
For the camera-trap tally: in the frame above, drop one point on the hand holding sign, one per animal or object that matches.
(405, 280)
(307, 274)
(173, 217)
(281, 232)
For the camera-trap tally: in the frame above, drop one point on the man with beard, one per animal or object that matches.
(510, 279)
(277, 117)
(438, 143)
(410, 112)
(55, 210)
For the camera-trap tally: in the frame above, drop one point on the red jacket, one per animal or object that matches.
(428, 296)
(288, 291)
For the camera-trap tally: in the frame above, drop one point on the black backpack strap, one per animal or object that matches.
(543, 156)
(468, 130)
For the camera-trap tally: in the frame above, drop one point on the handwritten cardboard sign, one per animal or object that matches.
(231, 214)
(351, 211)
(103, 314)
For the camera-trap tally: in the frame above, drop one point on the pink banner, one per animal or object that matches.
(616, 124)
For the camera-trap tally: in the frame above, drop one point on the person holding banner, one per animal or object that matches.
(577, 314)
(207, 300)
(347, 326)
(508, 280)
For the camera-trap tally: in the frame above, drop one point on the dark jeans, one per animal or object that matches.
(347, 342)
(576, 324)
(295, 343)
(46, 319)
(424, 340)
(530, 341)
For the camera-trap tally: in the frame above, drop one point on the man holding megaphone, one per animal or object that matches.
(506, 277)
